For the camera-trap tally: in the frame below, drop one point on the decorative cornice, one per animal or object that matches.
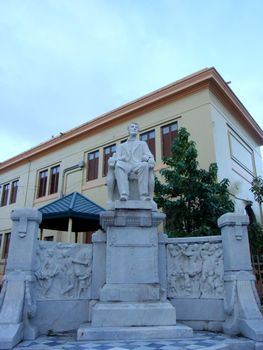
(206, 78)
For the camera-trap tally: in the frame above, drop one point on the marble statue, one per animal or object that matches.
(132, 160)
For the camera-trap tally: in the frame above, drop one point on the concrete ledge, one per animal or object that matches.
(199, 309)
(87, 332)
(10, 335)
(60, 315)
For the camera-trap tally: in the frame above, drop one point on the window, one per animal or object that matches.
(42, 186)
(169, 132)
(48, 176)
(6, 244)
(93, 165)
(107, 153)
(149, 138)
(49, 238)
(54, 176)
(4, 199)
(1, 240)
(13, 194)
(88, 237)
(9, 197)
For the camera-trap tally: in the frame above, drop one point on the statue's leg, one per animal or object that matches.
(142, 169)
(121, 176)
(110, 183)
(151, 183)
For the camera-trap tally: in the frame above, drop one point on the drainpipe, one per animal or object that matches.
(78, 166)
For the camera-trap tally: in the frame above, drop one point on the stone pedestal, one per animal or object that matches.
(131, 298)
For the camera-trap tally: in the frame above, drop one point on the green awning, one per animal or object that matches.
(83, 212)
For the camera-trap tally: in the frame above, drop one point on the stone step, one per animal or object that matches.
(88, 332)
(130, 314)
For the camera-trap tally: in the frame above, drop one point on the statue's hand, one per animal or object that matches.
(122, 159)
(112, 162)
(145, 158)
(151, 163)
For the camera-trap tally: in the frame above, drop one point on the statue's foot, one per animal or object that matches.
(124, 197)
(145, 197)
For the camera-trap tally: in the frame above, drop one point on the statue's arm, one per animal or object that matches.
(148, 156)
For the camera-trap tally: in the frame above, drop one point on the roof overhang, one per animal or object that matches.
(207, 78)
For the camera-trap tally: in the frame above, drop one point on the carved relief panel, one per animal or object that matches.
(63, 271)
(195, 270)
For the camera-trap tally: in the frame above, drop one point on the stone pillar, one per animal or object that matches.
(241, 308)
(162, 265)
(16, 300)
(98, 263)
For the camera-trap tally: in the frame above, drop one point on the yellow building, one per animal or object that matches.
(222, 128)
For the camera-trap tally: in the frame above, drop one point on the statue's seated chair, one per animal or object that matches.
(113, 193)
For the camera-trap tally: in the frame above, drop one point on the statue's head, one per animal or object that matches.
(133, 128)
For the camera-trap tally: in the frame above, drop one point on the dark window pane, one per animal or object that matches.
(13, 194)
(93, 165)
(1, 240)
(149, 138)
(42, 183)
(88, 237)
(6, 245)
(169, 133)
(5, 193)
(107, 153)
(49, 238)
(54, 177)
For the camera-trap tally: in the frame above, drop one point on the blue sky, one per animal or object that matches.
(63, 62)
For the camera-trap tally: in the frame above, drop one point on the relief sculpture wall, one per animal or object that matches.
(63, 271)
(195, 270)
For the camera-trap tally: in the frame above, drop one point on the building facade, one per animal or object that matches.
(203, 103)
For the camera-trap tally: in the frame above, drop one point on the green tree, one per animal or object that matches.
(191, 198)
(255, 230)
(257, 189)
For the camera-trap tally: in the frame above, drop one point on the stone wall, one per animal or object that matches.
(195, 280)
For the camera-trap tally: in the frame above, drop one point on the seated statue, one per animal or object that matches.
(132, 161)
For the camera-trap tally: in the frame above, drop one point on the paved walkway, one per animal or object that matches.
(200, 340)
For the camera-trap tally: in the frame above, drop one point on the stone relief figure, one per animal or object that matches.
(132, 160)
(46, 272)
(63, 271)
(195, 270)
(67, 271)
(83, 268)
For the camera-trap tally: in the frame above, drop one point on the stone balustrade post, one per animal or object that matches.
(17, 303)
(241, 307)
(24, 234)
(235, 242)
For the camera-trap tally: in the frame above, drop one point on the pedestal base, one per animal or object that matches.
(87, 332)
(129, 314)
